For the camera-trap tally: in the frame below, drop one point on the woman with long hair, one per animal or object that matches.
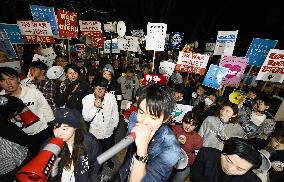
(77, 160)
(217, 129)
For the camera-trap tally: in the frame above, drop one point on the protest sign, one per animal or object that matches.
(225, 43)
(215, 76)
(192, 62)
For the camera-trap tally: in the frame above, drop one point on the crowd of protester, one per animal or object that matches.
(82, 101)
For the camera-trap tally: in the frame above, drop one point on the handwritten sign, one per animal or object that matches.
(36, 32)
(225, 43)
(5, 45)
(273, 67)
(192, 62)
(90, 28)
(155, 78)
(215, 76)
(258, 51)
(236, 66)
(67, 24)
(44, 13)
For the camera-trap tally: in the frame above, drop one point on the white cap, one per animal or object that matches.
(56, 72)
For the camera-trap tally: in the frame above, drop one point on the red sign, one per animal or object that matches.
(67, 24)
(161, 79)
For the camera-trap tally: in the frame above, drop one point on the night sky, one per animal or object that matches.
(199, 20)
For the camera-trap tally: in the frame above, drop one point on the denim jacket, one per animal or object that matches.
(163, 154)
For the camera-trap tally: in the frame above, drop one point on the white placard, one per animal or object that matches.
(225, 43)
(156, 35)
(273, 67)
(167, 68)
(128, 43)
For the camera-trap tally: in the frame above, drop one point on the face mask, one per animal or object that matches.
(208, 101)
(194, 95)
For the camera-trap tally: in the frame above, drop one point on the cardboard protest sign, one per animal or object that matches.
(258, 51)
(128, 43)
(225, 43)
(36, 32)
(90, 28)
(67, 24)
(175, 40)
(215, 76)
(6, 46)
(192, 62)
(114, 47)
(12, 64)
(13, 32)
(44, 13)
(156, 34)
(236, 66)
(155, 78)
(273, 67)
(167, 68)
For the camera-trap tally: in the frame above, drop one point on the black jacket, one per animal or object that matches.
(115, 89)
(75, 100)
(87, 168)
(207, 168)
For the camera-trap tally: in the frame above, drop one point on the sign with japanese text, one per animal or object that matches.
(236, 66)
(215, 76)
(155, 78)
(225, 43)
(273, 67)
(67, 24)
(258, 51)
(192, 62)
(44, 13)
(36, 32)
